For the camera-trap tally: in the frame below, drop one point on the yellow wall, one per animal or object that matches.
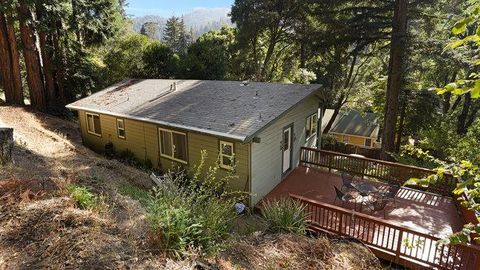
(142, 140)
(355, 140)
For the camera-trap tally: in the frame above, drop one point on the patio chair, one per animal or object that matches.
(344, 197)
(377, 205)
(347, 180)
(391, 194)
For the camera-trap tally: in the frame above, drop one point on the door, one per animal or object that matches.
(287, 149)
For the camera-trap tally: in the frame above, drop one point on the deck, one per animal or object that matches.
(407, 233)
(424, 212)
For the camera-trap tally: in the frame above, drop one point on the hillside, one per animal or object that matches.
(40, 225)
(199, 21)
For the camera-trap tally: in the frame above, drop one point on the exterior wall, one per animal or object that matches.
(267, 155)
(142, 139)
(355, 140)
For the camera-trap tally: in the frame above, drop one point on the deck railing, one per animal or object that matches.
(390, 172)
(388, 240)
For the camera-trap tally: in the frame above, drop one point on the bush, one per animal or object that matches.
(84, 198)
(328, 142)
(285, 215)
(192, 212)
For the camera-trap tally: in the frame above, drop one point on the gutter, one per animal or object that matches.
(242, 139)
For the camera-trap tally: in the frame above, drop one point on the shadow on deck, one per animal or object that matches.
(407, 235)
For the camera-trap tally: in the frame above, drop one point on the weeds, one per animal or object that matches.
(285, 215)
(192, 213)
(135, 193)
(84, 198)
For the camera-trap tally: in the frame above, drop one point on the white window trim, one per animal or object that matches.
(93, 122)
(228, 167)
(309, 119)
(118, 128)
(171, 142)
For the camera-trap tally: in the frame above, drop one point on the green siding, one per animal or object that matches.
(142, 140)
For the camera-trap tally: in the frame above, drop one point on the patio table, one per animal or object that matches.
(365, 188)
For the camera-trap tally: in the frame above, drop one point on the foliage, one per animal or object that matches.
(135, 193)
(285, 215)
(192, 212)
(328, 141)
(150, 29)
(82, 196)
(175, 35)
(159, 62)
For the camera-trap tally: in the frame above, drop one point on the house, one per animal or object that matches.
(261, 126)
(353, 127)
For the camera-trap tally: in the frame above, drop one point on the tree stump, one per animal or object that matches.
(6, 145)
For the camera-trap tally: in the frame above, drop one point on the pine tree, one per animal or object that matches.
(175, 36)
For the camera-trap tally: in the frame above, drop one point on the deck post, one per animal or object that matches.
(399, 246)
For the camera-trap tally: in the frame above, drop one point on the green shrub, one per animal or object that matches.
(192, 212)
(328, 142)
(285, 215)
(84, 198)
(135, 193)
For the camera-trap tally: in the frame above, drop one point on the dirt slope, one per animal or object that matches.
(41, 228)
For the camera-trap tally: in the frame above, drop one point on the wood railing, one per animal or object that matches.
(389, 172)
(390, 241)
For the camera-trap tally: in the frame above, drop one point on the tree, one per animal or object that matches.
(32, 57)
(150, 29)
(159, 62)
(395, 76)
(175, 35)
(208, 58)
(10, 63)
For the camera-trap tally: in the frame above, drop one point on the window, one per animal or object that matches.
(311, 126)
(173, 145)
(368, 142)
(345, 139)
(93, 124)
(121, 128)
(226, 155)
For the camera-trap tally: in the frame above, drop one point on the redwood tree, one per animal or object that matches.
(395, 76)
(32, 57)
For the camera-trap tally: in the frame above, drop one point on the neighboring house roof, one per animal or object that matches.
(229, 109)
(353, 123)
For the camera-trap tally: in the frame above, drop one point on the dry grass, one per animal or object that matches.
(288, 251)
(41, 228)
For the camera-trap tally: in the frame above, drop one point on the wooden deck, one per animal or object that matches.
(408, 233)
(417, 210)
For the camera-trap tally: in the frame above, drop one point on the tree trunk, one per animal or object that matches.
(5, 62)
(59, 71)
(32, 59)
(47, 55)
(395, 76)
(401, 123)
(15, 56)
(462, 118)
(336, 111)
(6, 145)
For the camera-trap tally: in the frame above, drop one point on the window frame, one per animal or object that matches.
(118, 129)
(371, 142)
(308, 124)
(87, 114)
(222, 155)
(172, 157)
(347, 141)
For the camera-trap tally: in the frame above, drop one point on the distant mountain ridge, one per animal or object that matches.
(198, 21)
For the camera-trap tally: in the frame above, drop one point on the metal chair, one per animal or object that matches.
(347, 180)
(391, 194)
(344, 197)
(377, 205)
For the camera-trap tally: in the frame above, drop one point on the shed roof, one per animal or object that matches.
(229, 109)
(353, 123)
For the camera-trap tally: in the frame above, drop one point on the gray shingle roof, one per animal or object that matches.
(353, 123)
(225, 108)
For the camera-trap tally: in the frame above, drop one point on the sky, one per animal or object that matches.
(167, 8)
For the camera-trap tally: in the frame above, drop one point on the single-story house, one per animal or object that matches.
(353, 127)
(261, 126)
